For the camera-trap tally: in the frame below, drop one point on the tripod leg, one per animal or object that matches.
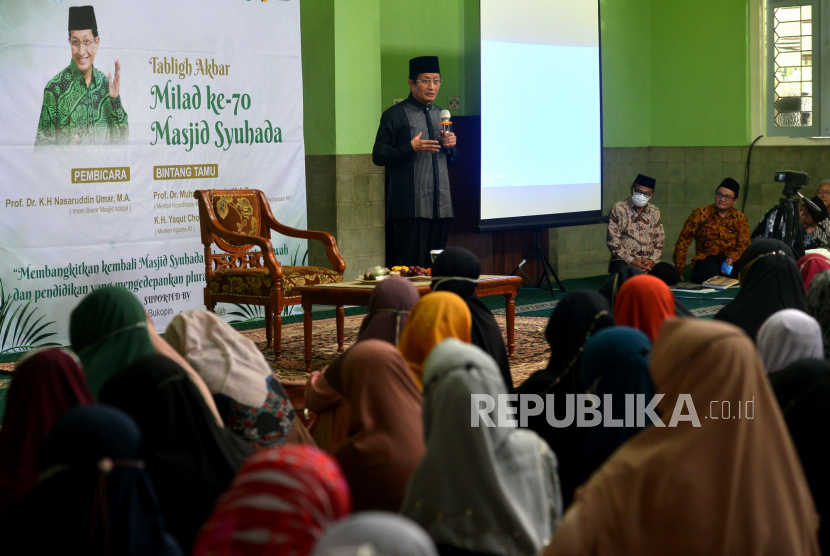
(549, 268)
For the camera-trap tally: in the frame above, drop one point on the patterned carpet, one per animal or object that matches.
(531, 354)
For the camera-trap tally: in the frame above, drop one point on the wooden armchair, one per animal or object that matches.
(239, 223)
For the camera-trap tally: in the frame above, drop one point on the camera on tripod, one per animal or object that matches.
(793, 181)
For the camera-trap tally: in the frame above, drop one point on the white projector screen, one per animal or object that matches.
(541, 116)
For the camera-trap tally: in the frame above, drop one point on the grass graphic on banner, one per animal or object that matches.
(248, 313)
(16, 334)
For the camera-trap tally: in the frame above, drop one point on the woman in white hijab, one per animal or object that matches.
(789, 336)
(382, 533)
(489, 490)
(251, 401)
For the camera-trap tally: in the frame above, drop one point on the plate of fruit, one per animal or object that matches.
(415, 273)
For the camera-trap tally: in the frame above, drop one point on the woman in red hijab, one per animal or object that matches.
(644, 302)
(46, 384)
(280, 503)
(810, 265)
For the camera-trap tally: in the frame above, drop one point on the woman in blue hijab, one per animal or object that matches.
(615, 363)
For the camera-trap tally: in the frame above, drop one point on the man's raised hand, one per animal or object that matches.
(424, 145)
(115, 83)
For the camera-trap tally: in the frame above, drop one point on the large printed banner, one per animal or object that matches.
(104, 138)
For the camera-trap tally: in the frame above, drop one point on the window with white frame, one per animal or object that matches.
(794, 54)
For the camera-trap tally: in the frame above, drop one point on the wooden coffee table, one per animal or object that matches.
(357, 293)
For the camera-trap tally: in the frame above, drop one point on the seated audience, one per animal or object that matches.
(810, 218)
(109, 330)
(644, 302)
(615, 363)
(386, 434)
(818, 306)
(94, 496)
(190, 459)
(457, 270)
(387, 311)
(46, 384)
(635, 233)
(613, 283)
(810, 265)
(388, 534)
(480, 490)
(436, 317)
(728, 486)
(573, 321)
(250, 400)
(770, 281)
(280, 503)
(788, 336)
(720, 233)
(803, 392)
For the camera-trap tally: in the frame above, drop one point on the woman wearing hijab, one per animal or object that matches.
(386, 435)
(803, 392)
(480, 490)
(94, 496)
(818, 306)
(109, 330)
(251, 401)
(45, 385)
(280, 503)
(189, 457)
(758, 247)
(644, 302)
(436, 317)
(386, 533)
(769, 282)
(387, 311)
(811, 264)
(611, 287)
(573, 321)
(788, 336)
(615, 364)
(692, 488)
(457, 270)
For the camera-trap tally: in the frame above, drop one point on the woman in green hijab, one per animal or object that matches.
(109, 330)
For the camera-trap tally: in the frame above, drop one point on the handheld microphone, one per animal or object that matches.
(446, 124)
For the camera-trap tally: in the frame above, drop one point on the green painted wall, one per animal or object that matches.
(357, 73)
(675, 72)
(699, 72)
(410, 28)
(317, 41)
(626, 59)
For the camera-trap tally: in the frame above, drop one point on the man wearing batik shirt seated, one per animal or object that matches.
(635, 233)
(720, 233)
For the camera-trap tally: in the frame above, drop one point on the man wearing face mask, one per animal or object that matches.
(635, 233)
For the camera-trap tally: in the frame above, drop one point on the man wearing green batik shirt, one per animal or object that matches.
(81, 105)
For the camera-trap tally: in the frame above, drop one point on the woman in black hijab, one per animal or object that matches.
(770, 281)
(457, 270)
(573, 321)
(803, 392)
(94, 496)
(190, 459)
(612, 285)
